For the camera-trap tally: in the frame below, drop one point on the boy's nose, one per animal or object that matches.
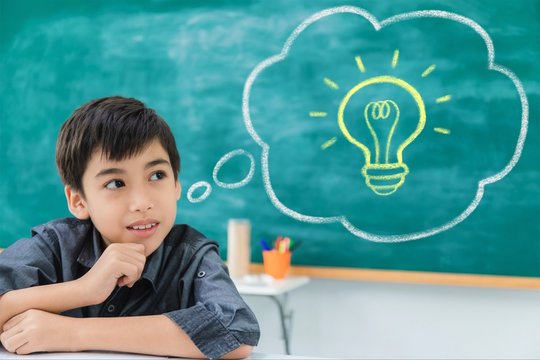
(140, 202)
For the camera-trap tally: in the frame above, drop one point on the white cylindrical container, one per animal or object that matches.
(238, 248)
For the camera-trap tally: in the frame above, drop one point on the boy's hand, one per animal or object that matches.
(36, 330)
(120, 264)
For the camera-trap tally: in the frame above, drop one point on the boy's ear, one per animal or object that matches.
(77, 205)
(178, 190)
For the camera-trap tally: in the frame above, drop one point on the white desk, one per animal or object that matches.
(277, 290)
(91, 355)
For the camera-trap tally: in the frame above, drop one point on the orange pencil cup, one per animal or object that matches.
(276, 264)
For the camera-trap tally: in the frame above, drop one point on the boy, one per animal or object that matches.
(120, 276)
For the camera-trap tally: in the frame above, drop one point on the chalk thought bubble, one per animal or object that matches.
(381, 111)
(215, 175)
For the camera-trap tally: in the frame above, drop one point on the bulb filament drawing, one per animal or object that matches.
(382, 175)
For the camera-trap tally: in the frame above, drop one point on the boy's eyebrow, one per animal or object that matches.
(155, 163)
(112, 171)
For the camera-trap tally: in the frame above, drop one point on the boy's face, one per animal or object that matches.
(129, 201)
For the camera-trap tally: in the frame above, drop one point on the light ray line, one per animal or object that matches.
(317, 114)
(329, 143)
(395, 58)
(360, 64)
(429, 70)
(442, 131)
(443, 99)
(331, 84)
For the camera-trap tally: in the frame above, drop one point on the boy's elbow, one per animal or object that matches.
(240, 353)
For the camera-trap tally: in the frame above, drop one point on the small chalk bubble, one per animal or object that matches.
(226, 158)
(197, 185)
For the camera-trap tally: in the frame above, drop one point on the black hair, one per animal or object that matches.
(120, 127)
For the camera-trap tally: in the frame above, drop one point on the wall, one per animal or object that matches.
(364, 320)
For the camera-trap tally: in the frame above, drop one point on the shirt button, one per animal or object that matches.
(110, 308)
(201, 274)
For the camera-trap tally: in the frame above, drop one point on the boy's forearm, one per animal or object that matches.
(54, 298)
(153, 335)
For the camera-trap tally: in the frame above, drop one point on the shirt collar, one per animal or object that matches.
(153, 264)
(91, 250)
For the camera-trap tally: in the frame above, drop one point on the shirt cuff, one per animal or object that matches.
(205, 330)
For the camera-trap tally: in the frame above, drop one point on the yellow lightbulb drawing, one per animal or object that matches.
(382, 175)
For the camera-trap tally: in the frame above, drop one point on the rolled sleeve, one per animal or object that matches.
(26, 263)
(205, 330)
(220, 321)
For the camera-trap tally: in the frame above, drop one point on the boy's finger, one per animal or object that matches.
(121, 281)
(140, 248)
(127, 261)
(127, 283)
(134, 255)
(12, 322)
(130, 274)
(13, 339)
(131, 250)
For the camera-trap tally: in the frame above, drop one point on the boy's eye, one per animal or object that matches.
(115, 184)
(157, 176)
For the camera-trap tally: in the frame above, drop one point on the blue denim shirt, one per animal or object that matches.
(184, 279)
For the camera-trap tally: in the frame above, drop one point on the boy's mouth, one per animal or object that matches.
(144, 228)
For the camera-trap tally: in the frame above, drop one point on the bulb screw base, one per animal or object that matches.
(385, 179)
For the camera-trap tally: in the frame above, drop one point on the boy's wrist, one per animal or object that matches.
(76, 336)
(87, 296)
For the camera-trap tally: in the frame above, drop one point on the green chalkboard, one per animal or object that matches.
(398, 135)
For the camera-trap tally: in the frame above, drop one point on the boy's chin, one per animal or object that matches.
(150, 249)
